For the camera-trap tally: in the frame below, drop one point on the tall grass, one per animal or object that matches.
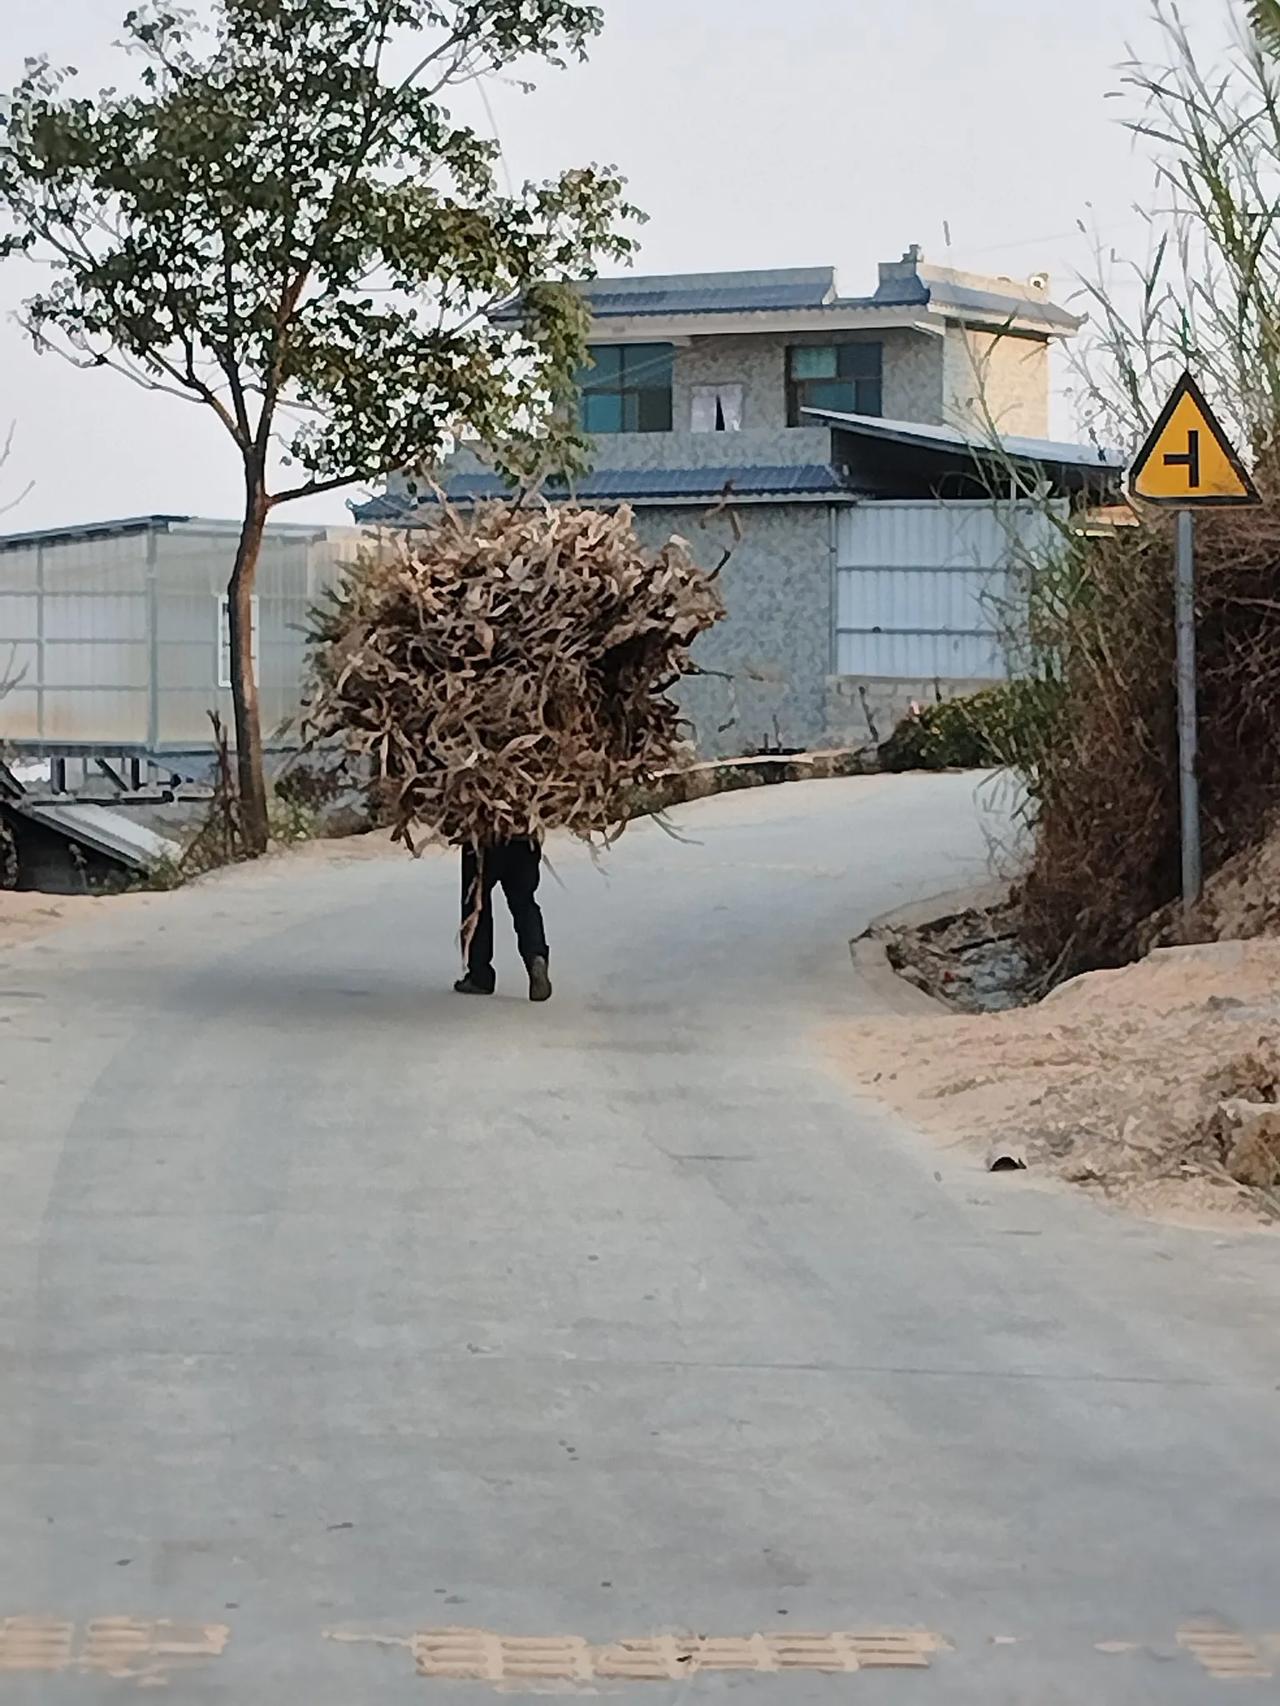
(1092, 619)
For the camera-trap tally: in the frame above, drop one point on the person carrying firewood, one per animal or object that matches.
(503, 672)
(515, 867)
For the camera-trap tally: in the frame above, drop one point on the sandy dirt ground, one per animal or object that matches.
(1113, 1082)
(24, 916)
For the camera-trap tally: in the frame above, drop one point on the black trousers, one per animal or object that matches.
(515, 867)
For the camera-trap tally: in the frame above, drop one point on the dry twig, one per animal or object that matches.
(508, 671)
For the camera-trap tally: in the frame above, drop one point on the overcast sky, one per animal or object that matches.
(754, 134)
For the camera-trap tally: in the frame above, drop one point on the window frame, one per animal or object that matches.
(796, 387)
(619, 384)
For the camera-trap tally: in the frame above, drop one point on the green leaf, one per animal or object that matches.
(272, 218)
(1264, 19)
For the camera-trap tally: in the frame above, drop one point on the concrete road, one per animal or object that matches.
(337, 1309)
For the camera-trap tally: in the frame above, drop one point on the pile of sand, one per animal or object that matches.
(1114, 1081)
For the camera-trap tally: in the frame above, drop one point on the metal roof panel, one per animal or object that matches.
(92, 530)
(86, 530)
(949, 438)
(620, 485)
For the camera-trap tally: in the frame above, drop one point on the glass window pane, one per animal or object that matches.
(807, 363)
(604, 363)
(654, 411)
(869, 398)
(647, 365)
(838, 394)
(859, 361)
(602, 411)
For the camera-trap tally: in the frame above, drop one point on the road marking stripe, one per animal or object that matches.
(122, 1647)
(35, 1643)
(482, 1655)
(1223, 1652)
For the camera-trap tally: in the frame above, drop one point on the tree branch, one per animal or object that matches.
(317, 488)
(6, 450)
(227, 358)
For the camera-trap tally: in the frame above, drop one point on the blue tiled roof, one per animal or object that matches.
(739, 299)
(800, 288)
(702, 293)
(631, 485)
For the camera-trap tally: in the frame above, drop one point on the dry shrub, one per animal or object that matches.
(508, 670)
(1104, 784)
(1104, 788)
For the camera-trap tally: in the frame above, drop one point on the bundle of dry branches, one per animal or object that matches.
(508, 670)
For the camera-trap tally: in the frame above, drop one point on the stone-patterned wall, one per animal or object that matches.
(916, 364)
(775, 643)
(753, 447)
(854, 703)
(913, 390)
(758, 364)
(913, 377)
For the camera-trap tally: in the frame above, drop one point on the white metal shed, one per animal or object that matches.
(113, 635)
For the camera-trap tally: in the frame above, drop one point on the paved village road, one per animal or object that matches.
(335, 1309)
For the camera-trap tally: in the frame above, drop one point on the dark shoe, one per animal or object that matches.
(539, 981)
(466, 986)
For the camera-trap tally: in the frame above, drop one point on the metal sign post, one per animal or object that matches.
(1188, 777)
(1188, 462)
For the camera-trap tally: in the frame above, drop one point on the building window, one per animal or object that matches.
(717, 408)
(627, 388)
(845, 377)
(224, 638)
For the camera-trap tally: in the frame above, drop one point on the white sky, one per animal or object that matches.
(753, 133)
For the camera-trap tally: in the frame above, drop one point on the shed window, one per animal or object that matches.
(844, 377)
(717, 408)
(224, 638)
(627, 388)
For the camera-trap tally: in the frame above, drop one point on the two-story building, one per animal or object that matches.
(861, 444)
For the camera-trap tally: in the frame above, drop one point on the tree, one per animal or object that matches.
(283, 223)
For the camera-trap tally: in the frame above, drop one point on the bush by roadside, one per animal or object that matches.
(1002, 725)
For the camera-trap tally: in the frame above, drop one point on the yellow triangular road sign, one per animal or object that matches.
(1188, 459)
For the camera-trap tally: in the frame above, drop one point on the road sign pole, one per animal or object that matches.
(1189, 781)
(1187, 461)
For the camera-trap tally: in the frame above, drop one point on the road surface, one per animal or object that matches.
(338, 1310)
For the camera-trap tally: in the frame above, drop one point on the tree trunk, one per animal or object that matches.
(244, 684)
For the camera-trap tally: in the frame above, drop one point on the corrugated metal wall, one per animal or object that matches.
(74, 635)
(920, 586)
(118, 638)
